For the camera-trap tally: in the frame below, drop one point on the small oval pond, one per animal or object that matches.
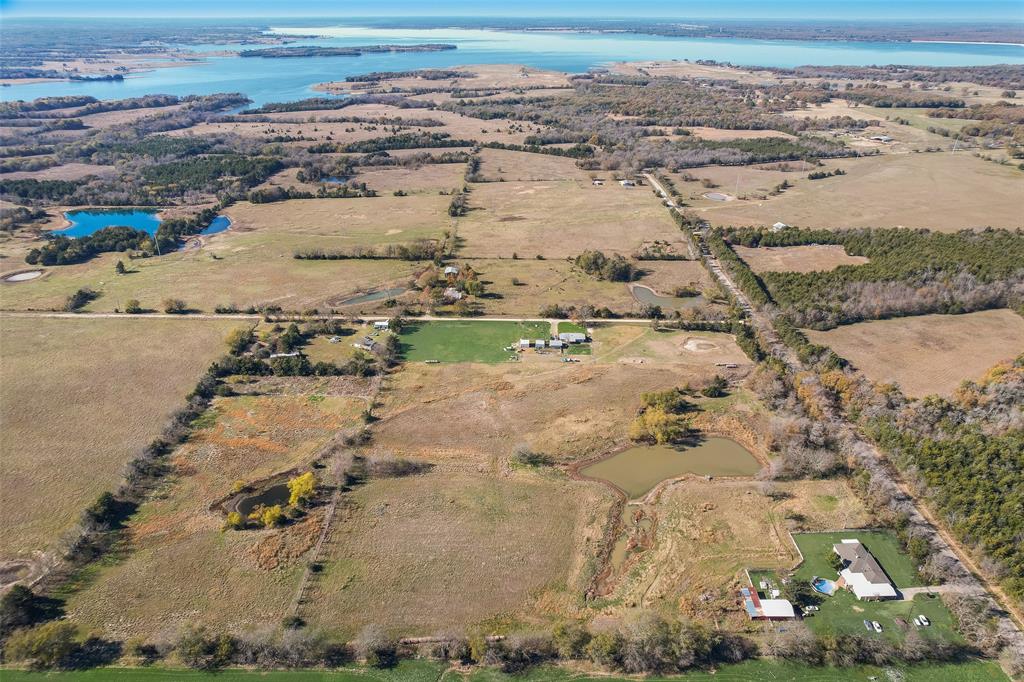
(23, 276)
(275, 494)
(647, 296)
(84, 223)
(218, 224)
(373, 296)
(717, 196)
(637, 470)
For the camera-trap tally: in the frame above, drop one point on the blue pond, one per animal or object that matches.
(86, 222)
(218, 224)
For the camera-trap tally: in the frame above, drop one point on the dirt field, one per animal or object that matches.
(928, 354)
(456, 546)
(708, 532)
(740, 134)
(940, 191)
(641, 345)
(227, 579)
(685, 69)
(67, 171)
(561, 219)
(814, 258)
(80, 398)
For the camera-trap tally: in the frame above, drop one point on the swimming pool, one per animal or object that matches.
(826, 587)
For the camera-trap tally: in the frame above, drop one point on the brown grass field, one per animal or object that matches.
(67, 171)
(561, 219)
(740, 134)
(813, 258)
(425, 179)
(80, 398)
(459, 545)
(227, 579)
(939, 191)
(507, 165)
(930, 354)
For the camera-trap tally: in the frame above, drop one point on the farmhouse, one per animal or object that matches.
(555, 343)
(572, 337)
(451, 270)
(627, 183)
(861, 572)
(765, 609)
(380, 325)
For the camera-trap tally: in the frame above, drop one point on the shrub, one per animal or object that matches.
(79, 299)
(301, 488)
(376, 648)
(175, 306)
(716, 389)
(133, 306)
(45, 646)
(271, 516)
(234, 521)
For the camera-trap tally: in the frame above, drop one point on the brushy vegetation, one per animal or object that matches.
(911, 272)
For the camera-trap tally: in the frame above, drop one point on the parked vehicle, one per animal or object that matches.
(876, 626)
(867, 625)
(924, 620)
(917, 621)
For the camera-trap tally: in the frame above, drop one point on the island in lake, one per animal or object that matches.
(315, 51)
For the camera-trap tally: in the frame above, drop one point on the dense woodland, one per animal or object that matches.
(911, 272)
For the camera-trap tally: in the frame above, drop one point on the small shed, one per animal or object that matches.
(627, 183)
(380, 325)
(778, 227)
(539, 343)
(450, 270)
(452, 294)
(524, 343)
(556, 343)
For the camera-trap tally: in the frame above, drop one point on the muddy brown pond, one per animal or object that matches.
(637, 470)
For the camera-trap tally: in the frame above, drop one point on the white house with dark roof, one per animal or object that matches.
(861, 572)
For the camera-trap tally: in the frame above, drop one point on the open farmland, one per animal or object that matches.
(561, 219)
(930, 353)
(512, 166)
(944, 192)
(80, 398)
(812, 258)
(456, 546)
(333, 224)
(240, 578)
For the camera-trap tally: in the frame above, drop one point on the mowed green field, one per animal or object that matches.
(467, 341)
(843, 613)
(427, 671)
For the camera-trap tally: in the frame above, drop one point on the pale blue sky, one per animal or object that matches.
(884, 10)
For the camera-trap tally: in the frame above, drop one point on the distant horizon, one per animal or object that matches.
(875, 11)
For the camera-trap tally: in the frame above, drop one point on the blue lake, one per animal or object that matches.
(86, 222)
(279, 80)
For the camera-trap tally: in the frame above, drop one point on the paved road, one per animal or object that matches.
(976, 581)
